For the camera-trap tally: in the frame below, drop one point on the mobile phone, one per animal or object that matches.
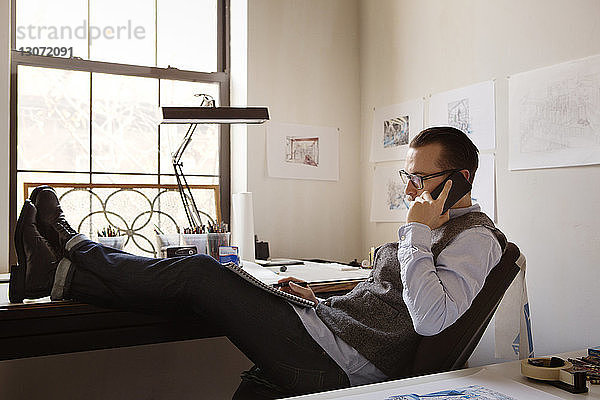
(460, 187)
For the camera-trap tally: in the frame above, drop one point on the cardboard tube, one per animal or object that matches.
(243, 225)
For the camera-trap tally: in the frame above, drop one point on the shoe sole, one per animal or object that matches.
(17, 272)
(34, 193)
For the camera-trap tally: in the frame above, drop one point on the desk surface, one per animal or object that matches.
(510, 371)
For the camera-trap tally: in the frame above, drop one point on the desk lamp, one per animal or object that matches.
(206, 113)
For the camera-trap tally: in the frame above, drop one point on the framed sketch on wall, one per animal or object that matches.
(302, 152)
(387, 196)
(393, 128)
(470, 109)
(554, 115)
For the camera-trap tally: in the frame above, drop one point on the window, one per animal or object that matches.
(87, 86)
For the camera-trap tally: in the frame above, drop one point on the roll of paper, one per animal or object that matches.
(243, 225)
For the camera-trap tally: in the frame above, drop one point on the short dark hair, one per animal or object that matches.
(458, 151)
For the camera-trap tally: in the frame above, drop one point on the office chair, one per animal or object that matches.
(446, 351)
(451, 348)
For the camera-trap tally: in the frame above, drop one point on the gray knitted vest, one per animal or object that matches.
(373, 318)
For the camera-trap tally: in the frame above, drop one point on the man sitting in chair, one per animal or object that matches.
(365, 336)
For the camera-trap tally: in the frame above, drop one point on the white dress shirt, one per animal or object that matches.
(435, 295)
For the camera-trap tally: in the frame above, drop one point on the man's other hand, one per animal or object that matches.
(292, 288)
(425, 210)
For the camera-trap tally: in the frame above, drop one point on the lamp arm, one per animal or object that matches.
(176, 156)
(187, 199)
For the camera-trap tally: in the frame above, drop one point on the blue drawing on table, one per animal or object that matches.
(395, 132)
(459, 115)
(467, 392)
(302, 150)
(395, 195)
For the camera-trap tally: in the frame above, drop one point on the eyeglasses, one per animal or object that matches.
(417, 180)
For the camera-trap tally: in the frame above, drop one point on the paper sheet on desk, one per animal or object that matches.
(261, 273)
(490, 382)
(320, 272)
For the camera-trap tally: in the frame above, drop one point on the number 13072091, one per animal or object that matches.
(47, 51)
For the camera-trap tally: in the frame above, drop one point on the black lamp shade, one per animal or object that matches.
(215, 115)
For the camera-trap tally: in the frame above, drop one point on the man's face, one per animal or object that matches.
(423, 161)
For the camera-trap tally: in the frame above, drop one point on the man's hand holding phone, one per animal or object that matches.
(425, 210)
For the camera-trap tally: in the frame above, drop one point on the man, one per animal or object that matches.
(366, 336)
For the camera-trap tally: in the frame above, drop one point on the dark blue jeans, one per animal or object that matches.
(264, 327)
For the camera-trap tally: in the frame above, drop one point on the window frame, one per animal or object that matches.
(221, 76)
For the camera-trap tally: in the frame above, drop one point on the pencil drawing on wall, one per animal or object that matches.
(395, 132)
(470, 109)
(302, 150)
(387, 196)
(565, 114)
(395, 195)
(554, 115)
(458, 115)
(400, 123)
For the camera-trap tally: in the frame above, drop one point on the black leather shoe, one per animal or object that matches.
(51, 219)
(34, 276)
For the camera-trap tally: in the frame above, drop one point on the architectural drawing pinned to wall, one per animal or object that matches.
(483, 191)
(302, 152)
(387, 197)
(470, 109)
(554, 115)
(393, 127)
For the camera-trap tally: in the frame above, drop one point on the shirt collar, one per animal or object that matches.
(457, 212)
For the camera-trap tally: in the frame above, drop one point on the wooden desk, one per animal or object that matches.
(45, 327)
(510, 371)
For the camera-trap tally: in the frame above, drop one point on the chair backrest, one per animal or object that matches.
(450, 349)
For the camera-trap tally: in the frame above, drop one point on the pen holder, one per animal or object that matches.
(215, 240)
(196, 239)
(163, 241)
(116, 242)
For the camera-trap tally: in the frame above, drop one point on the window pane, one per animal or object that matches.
(184, 94)
(42, 23)
(125, 119)
(187, 34)
(171, 202)
(201, 157)
(202, 154)
(127, 36)
(53, 119)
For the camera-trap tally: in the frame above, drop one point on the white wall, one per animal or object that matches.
(4, 129)
(413, 48)
(303, 65)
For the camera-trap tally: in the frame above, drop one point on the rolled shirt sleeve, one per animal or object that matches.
(436, 295)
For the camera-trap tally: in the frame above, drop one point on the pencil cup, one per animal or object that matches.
(195, 239)
(215, 240)
(116, 242)
(167, 240)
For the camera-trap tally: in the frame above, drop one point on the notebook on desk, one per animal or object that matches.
(266, 285)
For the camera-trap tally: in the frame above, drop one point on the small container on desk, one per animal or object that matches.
(215, 240)
(197, 240)
(172, 239)
(116, 242)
